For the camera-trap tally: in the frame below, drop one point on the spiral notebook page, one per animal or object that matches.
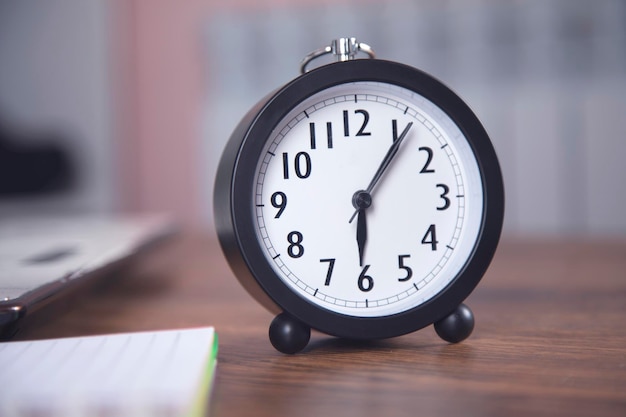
(165, 373)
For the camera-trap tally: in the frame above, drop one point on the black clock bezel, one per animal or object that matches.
(235, 207)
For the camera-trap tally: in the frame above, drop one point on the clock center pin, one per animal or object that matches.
(361, 200)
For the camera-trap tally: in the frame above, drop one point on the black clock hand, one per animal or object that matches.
(361, 234)
(393, 150)
(361, 200)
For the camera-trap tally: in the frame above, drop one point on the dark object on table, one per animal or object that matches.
(33, 163)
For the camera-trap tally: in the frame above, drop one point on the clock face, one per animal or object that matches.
(426, 209)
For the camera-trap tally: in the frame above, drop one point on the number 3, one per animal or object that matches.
(443, 195)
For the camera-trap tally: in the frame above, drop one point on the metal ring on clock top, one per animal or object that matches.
(345, 49)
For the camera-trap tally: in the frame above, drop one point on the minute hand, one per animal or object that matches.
(393, 150)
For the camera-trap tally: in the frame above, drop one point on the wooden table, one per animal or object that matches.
(550, 338)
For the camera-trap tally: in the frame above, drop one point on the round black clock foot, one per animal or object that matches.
(457, 326)
(289, 335)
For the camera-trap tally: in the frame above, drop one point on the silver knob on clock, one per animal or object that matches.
(344, 49)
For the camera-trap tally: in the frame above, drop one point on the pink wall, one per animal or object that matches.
(159, 85)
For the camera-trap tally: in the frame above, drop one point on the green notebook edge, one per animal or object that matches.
(203, 395)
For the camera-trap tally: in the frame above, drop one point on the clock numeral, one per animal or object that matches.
(295, 249)
(361, 131)
(365, 282)
(329, 135)
(312, 135)
(429, 158)
(394, 129)
(401, 265)
(444, 195)
(430, 238)
(329, 272)
(302, 165)
(279, 201)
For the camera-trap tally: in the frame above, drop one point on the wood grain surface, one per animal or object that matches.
(550, 338)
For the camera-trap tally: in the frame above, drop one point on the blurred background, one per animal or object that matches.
(111, 106)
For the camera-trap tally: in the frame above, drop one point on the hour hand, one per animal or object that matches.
(361, 200)
(361, 234)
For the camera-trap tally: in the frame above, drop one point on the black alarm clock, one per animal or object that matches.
(362, 199)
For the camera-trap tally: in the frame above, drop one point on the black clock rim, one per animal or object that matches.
(256, 129)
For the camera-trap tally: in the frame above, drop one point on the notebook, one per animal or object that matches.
(42, 258)
(161, 373)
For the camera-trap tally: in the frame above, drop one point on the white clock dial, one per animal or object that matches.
(426, 210)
